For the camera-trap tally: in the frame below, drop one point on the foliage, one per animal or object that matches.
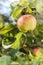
(15, 46)
(5, 60)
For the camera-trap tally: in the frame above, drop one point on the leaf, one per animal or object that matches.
(39, 5)
(40, 27)
(16, 12)
(14, 63)
(1, 24)
(29, 10)
(24, 2)
(16, 44)
(18, 36)
(6, 29)
(5, 60)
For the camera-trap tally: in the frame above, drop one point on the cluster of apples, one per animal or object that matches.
(26, 23)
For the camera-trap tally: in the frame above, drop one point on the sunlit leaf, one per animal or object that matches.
(16, 12)
(16, 44)
(1, 24)
(29, 10)
(39, 5)
(6, 29)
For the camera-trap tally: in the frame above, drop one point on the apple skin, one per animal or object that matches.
(36, 51)
(26, 23)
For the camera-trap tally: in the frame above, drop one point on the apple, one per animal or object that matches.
(36, 51)
(26, 23)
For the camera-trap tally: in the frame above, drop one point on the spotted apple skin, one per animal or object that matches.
(26, 23)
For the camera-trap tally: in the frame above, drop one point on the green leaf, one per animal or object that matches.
(16, 44)
(1, 24)
(39, 5)
(24, 3)
(5, 60)
(40, 27)
(18, 36)
(29, 10)
(16, 12)
(6, 29)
